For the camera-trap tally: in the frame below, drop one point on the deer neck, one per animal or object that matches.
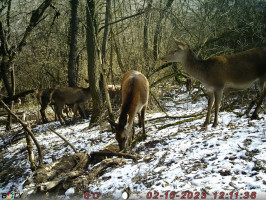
(194, 66)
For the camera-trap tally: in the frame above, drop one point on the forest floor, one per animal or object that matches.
(177, 155)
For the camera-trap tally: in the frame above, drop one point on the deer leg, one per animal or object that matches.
(210, 104)
(56, 117)
(142, 118)
(58, 111)
(218, 98)
(133, 133)
(82, 112)
(262, 96)
(75, 111)
(139, 120)
(42, 111)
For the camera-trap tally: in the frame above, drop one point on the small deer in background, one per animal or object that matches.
(239, 70)
(135, 94)
(73, 98)
(70, 96)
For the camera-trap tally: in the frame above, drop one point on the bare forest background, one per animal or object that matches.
(52, 43)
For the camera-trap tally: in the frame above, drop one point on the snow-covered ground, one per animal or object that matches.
(182, 159)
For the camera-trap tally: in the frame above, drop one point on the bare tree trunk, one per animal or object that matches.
(158, 30)
(145, 35)
(104, 44)
(11, 104)
(118, 55)
(72, 62)
(92, 68)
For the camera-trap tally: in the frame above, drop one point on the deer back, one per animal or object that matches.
(135, 92)
(70, 95)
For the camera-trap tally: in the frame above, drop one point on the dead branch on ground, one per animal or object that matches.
(27, 128)
(63, 138)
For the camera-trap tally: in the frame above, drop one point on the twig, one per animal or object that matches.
(108, 144)
(181, 122)
(166, 126)
(111, 153)
(177, 117)
(49, 185)
(159, 104)
(63, 138)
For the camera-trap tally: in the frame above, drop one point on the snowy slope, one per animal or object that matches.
(180, 158)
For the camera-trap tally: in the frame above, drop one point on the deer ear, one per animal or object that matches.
(112, 123)
(181, 45)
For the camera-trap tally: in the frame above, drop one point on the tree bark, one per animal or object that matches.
(118, 54)
(11, 103)
(104, 45)
(145, 34)
(93, 71)
(158, 30)
(72, 62)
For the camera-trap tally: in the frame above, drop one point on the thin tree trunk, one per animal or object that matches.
(104, 45)
(158, 30)
(92, 68)
(145, 35)
(118, 55)
(11, 104)
(72, 62)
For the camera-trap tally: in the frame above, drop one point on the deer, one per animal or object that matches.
(53, 96)
(70, 96)
(44, 97)
(217, 73)
(135, 94)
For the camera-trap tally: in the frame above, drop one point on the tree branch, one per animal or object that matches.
(35, 19)
(122, 19)
(63, 138)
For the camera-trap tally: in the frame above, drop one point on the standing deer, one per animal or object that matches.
(239, 70)
(135, 94)
(63, 98)
(70, 96)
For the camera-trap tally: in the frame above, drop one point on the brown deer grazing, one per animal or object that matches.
(61, 97)
(70, 96)
(135, 94)
(239, 70)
